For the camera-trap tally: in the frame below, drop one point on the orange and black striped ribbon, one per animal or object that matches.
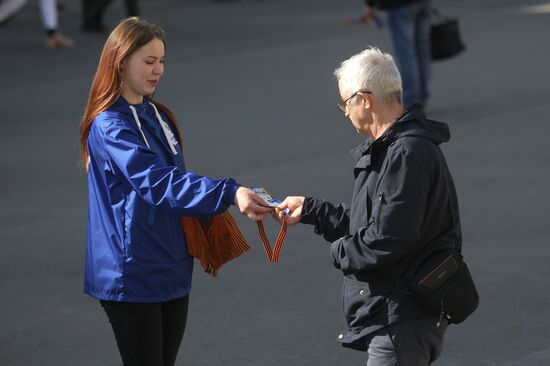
(272, 254)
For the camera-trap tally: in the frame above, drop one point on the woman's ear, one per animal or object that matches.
(122, 66)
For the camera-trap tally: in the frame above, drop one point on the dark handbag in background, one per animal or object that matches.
(446, 41)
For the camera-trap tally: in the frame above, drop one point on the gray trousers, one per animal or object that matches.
(406, 343)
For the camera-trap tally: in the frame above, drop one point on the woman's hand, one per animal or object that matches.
(294, 204)
(250, 204)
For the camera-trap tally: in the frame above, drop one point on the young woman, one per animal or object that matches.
(137, 263)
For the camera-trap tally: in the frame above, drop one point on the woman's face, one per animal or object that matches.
(142, 71)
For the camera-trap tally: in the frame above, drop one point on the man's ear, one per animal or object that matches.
(368, 100)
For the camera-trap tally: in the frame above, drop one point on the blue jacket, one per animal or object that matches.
(137, 190)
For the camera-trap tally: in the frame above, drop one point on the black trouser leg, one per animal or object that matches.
(148, 334)
(92, 13)
(174, 319)
(132, 8)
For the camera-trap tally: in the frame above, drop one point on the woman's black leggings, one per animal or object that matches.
(148, 334)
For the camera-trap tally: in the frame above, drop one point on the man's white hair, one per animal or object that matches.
(371, 70)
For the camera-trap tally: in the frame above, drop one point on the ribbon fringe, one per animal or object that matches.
(217, 240)
(214, 241)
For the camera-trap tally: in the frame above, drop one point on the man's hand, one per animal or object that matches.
(367, 16)
(294, 205)
(250, 204)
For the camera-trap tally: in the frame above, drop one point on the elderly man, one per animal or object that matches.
(400, 203)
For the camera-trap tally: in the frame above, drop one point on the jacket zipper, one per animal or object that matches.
(381, 201)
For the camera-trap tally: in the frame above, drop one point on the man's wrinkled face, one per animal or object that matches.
(354, 109)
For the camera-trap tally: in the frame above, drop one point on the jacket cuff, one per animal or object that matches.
(334, 253)
(231, 191)
(309, 210)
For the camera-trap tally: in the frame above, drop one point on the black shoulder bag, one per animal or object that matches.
(439, 279)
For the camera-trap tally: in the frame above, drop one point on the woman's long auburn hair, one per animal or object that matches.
(128, 36)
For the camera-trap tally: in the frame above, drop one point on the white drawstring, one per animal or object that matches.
(167, 131)
(165, 128)
(133, 109)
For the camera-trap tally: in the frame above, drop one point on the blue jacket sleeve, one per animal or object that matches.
(398, 213)
(165, 187)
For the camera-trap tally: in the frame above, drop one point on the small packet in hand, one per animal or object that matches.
(270, 201)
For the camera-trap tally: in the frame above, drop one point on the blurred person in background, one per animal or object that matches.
(54, 38)
(49, 16)
(401, 201)
(93, 11)
(137, 263)
(409, 23)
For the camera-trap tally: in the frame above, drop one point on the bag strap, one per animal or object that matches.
(424, 251)
(453, 208)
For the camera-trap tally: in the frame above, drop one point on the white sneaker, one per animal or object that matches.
(59, 40)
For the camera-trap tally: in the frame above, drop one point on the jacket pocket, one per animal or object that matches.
(151, 216)
(359, 303)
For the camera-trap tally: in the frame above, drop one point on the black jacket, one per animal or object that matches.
(400, 203)
(389, 4)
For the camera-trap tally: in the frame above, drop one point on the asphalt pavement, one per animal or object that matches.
(251, 84)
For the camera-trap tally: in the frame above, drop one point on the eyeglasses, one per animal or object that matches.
(343, 104)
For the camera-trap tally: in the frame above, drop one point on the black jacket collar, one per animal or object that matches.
(365, 148)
